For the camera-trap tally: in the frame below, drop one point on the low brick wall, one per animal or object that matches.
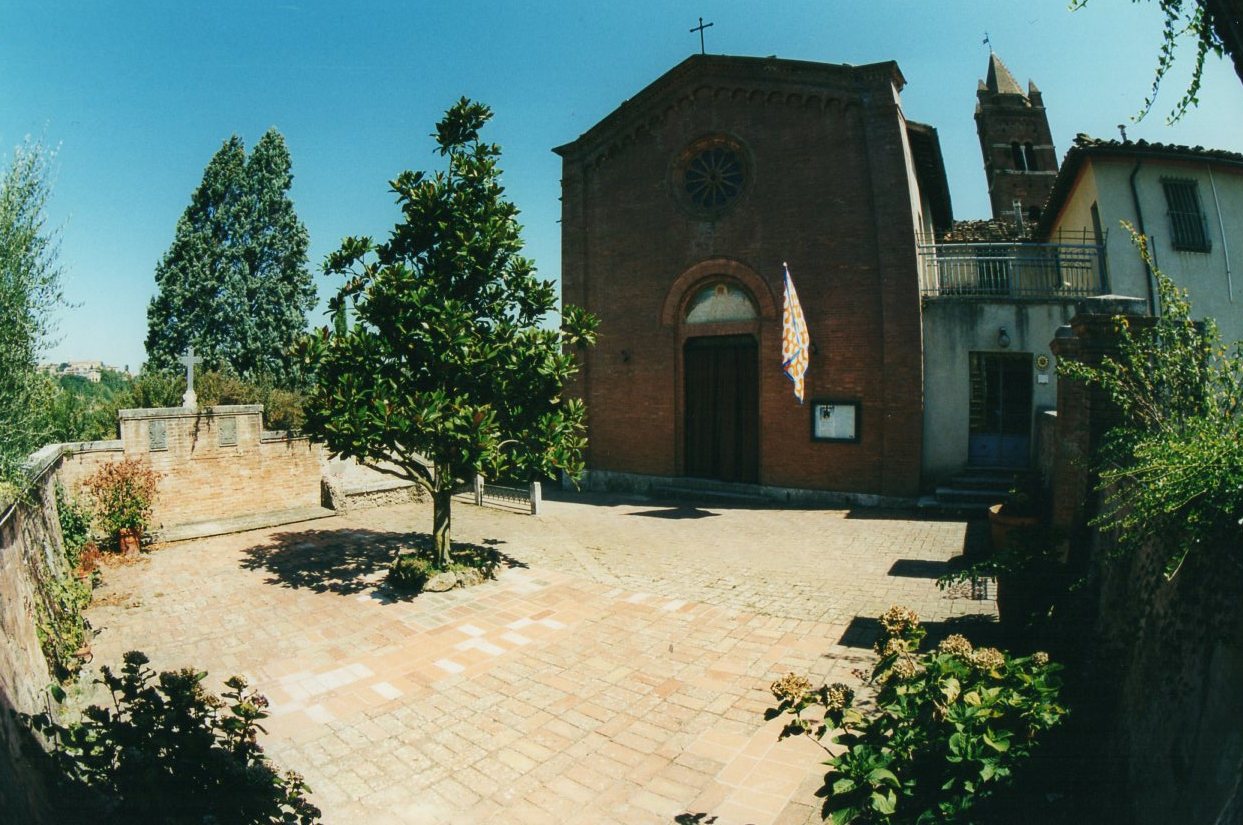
(1164, 657)
(1173, 653)
(215, 462)
(29, 536)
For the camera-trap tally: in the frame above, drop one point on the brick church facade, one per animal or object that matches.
(679, 209)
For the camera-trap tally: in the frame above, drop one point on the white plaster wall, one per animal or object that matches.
(1213, 280)
(952, 330)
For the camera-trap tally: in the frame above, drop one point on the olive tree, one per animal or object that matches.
(30, 292)
(439, 364)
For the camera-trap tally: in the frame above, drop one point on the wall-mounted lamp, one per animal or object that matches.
(1003, 338)
(625, 356)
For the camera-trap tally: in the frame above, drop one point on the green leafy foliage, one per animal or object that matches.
(1171, 471)
(83, 412)
(60, 595)
(168, 751)
(30, 291)
(59, 623)
(1212, 26)
(235, 283)
(437, 361)
(410, 572)
(75, 524)
(948, 728)
(122, 495)
(87, 410)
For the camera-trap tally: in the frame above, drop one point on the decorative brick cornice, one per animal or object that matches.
(757, 80)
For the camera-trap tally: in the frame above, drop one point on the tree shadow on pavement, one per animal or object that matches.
(347, 562)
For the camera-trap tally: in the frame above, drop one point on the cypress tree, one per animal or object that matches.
(235, 283)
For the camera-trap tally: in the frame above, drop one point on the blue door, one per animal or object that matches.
(1001, 409)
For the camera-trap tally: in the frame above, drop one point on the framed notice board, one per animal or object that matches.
(834, 420)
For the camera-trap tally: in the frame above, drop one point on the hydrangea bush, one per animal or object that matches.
(949, 726)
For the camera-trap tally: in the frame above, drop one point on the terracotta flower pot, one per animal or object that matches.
(1000, 525)
(130, 540)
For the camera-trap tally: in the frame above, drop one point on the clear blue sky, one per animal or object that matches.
(137, 96)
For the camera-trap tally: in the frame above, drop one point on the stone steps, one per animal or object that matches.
(975, 489)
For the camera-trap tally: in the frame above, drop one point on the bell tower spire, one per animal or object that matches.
(1019, 159)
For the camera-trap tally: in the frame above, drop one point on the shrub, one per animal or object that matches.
(61, 628)
(75, 525)
(60, 596)
(123, 493)
(1172, 468)
(169, 751)
(410, 572)
(949, 726)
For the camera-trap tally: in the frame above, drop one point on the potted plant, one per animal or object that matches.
(123, 493)
(1021, 509)
(1027, 567)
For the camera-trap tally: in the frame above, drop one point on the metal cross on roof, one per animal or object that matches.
(700, 28)
(190, 400)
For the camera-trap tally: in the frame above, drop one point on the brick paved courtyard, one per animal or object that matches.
(615, 672)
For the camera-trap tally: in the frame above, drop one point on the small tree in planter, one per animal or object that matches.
(439, 364)
(122, 493)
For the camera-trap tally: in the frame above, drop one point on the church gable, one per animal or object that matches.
(679, 210)
(753, 80)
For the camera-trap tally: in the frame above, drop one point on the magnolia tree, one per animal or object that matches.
(439, 365)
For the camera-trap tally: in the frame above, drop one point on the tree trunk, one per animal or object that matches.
(442, 499)
(1227, 21)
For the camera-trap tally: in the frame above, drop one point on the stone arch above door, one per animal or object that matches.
(686, 285)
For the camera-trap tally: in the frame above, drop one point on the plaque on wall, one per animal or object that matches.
(157, 435)
(835, 420)
(226, 428)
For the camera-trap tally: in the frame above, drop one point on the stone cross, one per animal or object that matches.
(190, 401)
(700, 28)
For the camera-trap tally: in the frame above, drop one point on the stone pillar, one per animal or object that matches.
(537, 498)
(1085, 414)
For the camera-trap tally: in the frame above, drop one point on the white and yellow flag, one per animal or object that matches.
(795, 341)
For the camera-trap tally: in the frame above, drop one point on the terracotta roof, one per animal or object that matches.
(1142, 147)
(1089, 147)
(989, 230)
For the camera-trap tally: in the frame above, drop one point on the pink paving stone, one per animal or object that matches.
(627, 690)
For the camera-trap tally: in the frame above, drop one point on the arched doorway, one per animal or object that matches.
(721, 385)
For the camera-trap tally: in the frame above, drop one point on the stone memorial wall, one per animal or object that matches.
(215, 462)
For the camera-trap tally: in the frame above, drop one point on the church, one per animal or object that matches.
(679, 210)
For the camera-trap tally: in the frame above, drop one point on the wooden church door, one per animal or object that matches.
(722, 408)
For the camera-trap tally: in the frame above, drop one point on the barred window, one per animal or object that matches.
(1188, 228)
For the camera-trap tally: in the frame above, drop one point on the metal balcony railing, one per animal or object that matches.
(986, 271)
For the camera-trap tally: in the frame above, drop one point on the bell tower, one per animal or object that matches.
(1019, 159)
